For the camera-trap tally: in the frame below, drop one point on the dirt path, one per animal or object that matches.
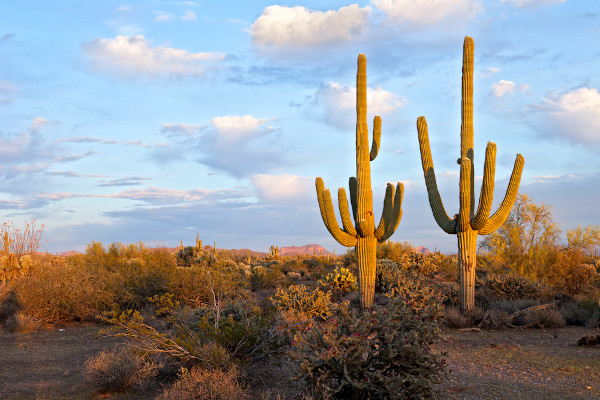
(506, 365)
(521, 364)
(49, 364)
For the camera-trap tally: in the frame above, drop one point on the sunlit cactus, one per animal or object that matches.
(274, 251)
(362, 234)
(198, 242)
(468, 223)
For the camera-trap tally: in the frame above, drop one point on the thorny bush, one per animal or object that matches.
(379, 353)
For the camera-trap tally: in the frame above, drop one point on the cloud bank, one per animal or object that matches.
(131, 56)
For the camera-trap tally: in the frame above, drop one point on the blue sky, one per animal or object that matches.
(154, 120)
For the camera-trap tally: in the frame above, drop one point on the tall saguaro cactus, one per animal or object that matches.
(468, 223)
(363, 234)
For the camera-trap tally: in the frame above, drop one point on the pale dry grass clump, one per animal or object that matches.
(118, 370)
(206, 384)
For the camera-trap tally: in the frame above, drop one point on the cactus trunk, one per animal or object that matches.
(467, 256)
(366, 249)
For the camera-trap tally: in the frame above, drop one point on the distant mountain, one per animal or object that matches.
(69, 253)
(422, 249)
(309, 249)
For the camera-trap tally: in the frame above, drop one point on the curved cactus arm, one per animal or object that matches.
(435, 201)
(509, 198)
(486, 197)
(376, 137)
(464, 216)
(386, 215)
(320, 187)
(344, 213)
(342, 237)
(396, 214)
(353, 185)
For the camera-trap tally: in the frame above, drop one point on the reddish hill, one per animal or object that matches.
(422, 249)
(309, 249)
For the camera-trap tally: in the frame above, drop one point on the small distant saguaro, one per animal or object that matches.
(468, 223)
(363, 235)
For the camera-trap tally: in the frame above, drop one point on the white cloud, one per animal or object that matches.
(299, 26)
(428, 12)
(124, 7)
(507, 87)
(340, 103)
(283, 187)
(163, 16)
(237, 127)
(575, 115)
(189, 16)
(185, 129)
(135, 55)
(532, 3)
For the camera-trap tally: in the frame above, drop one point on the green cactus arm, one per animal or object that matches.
(342, 237)
(353, 185)
(386, 215)
(464, 215)
(344, 213)
(435, 201)
(376, 137)
(486, 197)
(509, 198)
(320, 187)
(396, 214)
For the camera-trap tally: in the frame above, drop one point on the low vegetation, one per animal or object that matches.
(195, 321)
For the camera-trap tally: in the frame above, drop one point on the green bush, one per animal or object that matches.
(299, 303)
(382, 353)
(340, 282)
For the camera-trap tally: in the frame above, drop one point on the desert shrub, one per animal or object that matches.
(394, 251)
(205, 384)
(198, 286)
(425, 265)
(9, 310)
(300, 303)
(244, 331)
(496, 319)
(572, 277)
(545, 318)
(449, 267)
(383, 352)
(512, 286)
(263, 278)
(118, 370)
(513, 306)
(453, 318)
(63, 293)
(574, 314)
(339, 282)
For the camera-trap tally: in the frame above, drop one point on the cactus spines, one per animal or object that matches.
(362, 233)
(468, 223)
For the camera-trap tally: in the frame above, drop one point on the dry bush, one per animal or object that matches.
(453, 318)
(205, 384)
(496, 319)
(545, 318)
(63, 293)
(118, 370)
